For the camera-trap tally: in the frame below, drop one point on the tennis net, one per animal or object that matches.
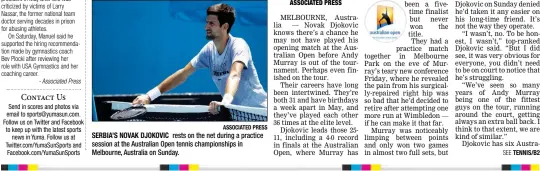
(168, 112)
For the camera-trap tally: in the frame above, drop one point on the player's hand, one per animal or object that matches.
(142, 99)
(213, 107)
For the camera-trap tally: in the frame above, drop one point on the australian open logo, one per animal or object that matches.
(385, 21)
(387, 15)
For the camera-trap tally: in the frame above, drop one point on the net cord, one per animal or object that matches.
(165, 108)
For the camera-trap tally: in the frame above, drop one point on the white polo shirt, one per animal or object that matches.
(250, 91)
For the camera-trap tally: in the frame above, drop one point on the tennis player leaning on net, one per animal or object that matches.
(229, 60)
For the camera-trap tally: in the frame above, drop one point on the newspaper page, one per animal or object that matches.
(269, 85)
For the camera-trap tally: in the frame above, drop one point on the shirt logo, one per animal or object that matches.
(217, 74)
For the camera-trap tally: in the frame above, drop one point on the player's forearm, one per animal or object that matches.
(232, 83)
(173, 81)
(169, 83)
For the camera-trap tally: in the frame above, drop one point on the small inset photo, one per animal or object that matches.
(179, 60)
(385, 21)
